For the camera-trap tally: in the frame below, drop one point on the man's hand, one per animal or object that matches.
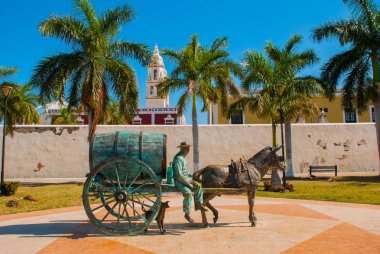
(196, 184)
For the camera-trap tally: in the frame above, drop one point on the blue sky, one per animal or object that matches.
(170, 23)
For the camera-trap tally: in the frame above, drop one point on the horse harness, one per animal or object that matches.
(242, 173)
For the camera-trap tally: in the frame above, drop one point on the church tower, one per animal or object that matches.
(157, 110)
(156, 73)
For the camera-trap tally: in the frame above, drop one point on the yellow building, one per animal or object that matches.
(333, 109)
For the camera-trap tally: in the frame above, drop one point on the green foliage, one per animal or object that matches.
(359, 63)
(111, 114)
(6, 71)
(268, 186)
(9, 188)
(95, 68)
(21, 102)
(271, 82)
(66, 117)
(201, 73)
(362, 190)
(50, 196)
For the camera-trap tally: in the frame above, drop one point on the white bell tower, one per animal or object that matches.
(156, 73)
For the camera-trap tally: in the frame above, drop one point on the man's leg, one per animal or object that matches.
(187, 199)
(198, 194)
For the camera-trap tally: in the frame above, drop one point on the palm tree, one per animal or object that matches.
(95, 68)
(6, 71)
(277, 87)
(111, 114)
(359, 64)
(203, 73)
(65, 117)
(296, 90)
(22, 105)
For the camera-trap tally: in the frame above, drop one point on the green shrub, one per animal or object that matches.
(9, 188)
(268, 186)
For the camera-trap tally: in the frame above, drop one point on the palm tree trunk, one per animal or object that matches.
(90, 122)
(376, 79)
(275, 177)
(288, 150)
(195, 134)
(377, 124)
(274, 134)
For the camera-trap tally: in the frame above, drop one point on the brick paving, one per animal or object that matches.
(284, 226)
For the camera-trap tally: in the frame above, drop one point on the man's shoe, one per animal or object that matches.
(188, 218)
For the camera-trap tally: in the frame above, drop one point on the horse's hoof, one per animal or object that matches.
(215, 219)
(205, 225)
(254, 222)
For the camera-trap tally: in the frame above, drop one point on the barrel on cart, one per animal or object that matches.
(122, 193)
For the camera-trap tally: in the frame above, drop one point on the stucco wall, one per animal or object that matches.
(63, 151)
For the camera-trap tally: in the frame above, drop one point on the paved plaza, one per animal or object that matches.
(284, 226)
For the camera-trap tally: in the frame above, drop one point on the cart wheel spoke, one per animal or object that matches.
(118, 217)
(125, 180)
(140, 203)
(127, 187)
(142, 217)
(141, 185)
(134, 179)
(126, 213)
(117, 175)
(108, 212)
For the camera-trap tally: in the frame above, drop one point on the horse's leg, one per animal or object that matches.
(204, 219)
(207, 198)
(251, 201)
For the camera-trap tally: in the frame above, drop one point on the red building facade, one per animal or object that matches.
(157, 110)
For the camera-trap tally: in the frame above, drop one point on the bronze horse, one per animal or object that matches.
(244, 175)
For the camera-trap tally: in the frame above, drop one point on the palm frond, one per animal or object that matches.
(68, 28)
(88, 11)
(111, 20)
(139, 52)
(6, 71)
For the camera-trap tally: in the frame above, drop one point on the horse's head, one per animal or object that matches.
(267, 159)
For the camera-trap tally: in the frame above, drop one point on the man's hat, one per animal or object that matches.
(184, 144)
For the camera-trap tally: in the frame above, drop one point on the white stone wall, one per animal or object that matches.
(63, 151)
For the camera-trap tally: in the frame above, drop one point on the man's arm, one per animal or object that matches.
(178, 168)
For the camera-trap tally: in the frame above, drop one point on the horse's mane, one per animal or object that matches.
(259, 155)
(259, 159)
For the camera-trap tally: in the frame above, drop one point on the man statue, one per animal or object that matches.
(184, 181)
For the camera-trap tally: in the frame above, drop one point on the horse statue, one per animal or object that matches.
(245, 175)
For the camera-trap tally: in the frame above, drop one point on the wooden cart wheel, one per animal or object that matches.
(122, 196)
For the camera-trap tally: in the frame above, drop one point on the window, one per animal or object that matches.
(155, 74)
(373, 114)
(237, 118)
(151, 90)
(137, 120)
(169, 120)
(350, 116)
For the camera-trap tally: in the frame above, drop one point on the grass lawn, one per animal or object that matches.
(352, 189)
(48, 196)
(364, 190)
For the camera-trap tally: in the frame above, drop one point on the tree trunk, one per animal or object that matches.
(376, 79)
(90, 122)
(274, 134)
(195, 134)
(275, 177)
(377, 125)
(288, 144)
